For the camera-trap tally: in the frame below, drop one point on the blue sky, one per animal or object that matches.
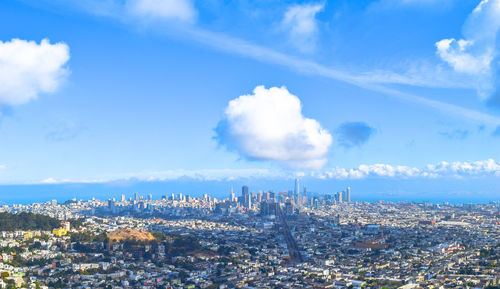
(335, 92)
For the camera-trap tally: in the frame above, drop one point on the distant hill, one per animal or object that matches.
(130, 234)
(27, 221)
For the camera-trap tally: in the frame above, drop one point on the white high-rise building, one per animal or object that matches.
(233, 198)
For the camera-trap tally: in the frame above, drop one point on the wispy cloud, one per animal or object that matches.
(370, 80)
(260, 53)
(182, 10)
(488, 167)
(300, 21)
(424, 4)
(63, 131)
(456, 134)
(178, 174)
(133, 10)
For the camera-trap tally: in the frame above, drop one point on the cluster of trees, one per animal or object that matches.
(182, 245)
(76, 223)
(27, 221)
(488, 253)
(88, 237)
(89, 242)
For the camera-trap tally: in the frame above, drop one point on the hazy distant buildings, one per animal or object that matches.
(269, 208)
(344, 196)
(288, 208)
(246, 198)
(272, 196)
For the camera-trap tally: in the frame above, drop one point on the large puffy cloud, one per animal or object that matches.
(352, 134)
(269, 125)
(28, 69)
(487, 167)
(475, 53)
(182, 10)
(300, 21)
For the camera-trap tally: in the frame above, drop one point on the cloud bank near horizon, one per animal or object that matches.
(442, 170)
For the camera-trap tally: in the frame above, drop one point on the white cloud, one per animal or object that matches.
(50, 181)
(28, 69)
(163, 9)
(300, 21)
(474, 54)
(455, 53)
(378, 170)
(487, 167)
(476, 168)
(269, 125)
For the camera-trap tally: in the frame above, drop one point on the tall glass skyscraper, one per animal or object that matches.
(247, 199)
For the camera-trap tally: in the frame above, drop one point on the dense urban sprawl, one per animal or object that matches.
(256, 240)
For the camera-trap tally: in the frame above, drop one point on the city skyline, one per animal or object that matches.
(283, 240)
(187, 96)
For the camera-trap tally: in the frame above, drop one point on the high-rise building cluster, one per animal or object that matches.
(343, 196)
(274, 203)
